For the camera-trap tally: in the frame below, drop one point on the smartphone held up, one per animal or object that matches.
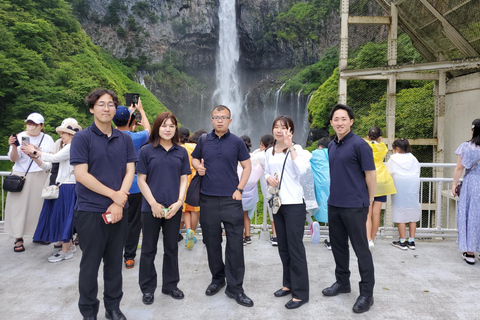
(131, 99)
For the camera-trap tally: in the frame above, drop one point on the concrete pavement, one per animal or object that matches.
(432, 282)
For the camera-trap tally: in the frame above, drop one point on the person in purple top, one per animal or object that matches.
(162, 171)
(104, 162)
(352, 189)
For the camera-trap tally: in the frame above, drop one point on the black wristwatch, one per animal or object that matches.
(35, 152)
(241, 190)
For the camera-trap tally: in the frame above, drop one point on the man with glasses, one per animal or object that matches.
(221, 202)
(104, 162)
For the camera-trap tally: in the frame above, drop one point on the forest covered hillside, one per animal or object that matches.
(48, 64)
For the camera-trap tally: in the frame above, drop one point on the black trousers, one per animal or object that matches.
(216, 210)
(347, 223)
(99, 242)
(147, 277)
(134, 225)
(290, 225)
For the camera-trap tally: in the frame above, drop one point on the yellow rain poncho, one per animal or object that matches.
(385, 184)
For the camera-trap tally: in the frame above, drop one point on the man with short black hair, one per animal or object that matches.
(104, 162)
(352, 188)
(215, 159)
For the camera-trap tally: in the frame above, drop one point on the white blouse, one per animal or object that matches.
(64, 167)
(291, 191)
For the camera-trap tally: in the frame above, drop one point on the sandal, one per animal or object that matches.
(470, 259)
(19, 247)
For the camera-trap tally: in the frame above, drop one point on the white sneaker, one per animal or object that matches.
(57, 257)
(315, 232)
(371, 245)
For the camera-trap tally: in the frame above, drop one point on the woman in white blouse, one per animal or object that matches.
(290, 218)
(60, 225)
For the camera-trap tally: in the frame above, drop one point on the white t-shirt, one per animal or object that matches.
(291, 191)
(22, 164)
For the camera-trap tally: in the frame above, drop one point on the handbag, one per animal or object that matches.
(193, 192)
(274, 202)
(458, 188)
(53, 191)
(14, 183)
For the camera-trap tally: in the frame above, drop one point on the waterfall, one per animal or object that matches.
(277, 98)
(227, 91)
(140, 76)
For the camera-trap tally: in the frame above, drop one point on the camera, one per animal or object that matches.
(131, 99)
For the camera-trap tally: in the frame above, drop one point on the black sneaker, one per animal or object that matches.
(400, 245)
(244, 241)
(327, 244)
(410, 245)
(248, 240)
(180, 237)
(274, 242)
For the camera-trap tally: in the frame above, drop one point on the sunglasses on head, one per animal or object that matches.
(71, 128)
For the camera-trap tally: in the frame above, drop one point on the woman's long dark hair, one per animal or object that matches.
(247, 141)
(476, 132)
(268, 140)
(287, 122)
(155, 134)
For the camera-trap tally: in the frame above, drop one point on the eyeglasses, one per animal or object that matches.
(103, 105)
(216, 118)
(71, 128)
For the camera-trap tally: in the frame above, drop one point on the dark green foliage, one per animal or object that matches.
(311, 77)
(48, 65)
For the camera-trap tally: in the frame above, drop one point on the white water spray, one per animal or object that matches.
(228, 86)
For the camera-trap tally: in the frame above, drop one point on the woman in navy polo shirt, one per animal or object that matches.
(162, 172)
(290, 218)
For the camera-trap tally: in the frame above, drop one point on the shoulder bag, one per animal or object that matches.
(14, 183)
(274, 202)
(193, 192)
(53, 191)
(458, 188)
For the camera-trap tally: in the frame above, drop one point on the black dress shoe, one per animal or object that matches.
(115, 315)
(282, 293)
(90, 318)
(336, 289)
(175, 294)
(148, 298)
(292, 304)
(213, 288)
(241, 298)
(363, 304)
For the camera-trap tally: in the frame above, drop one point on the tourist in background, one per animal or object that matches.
(22, 209)
(125, 120)
(290, 218)
(60, 222)
(162, 171)
(250, 191)
(266, 141)
(385, 184)
(321, 175)
(468, 208)
(190, 214)
(406, 207)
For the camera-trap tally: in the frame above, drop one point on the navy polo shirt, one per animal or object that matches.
(107, 159)
(163, 170)
(221, 156)
(349, 158)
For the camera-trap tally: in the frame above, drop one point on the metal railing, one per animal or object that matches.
(438, 208)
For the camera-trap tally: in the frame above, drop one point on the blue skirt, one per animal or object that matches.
(61, 220)
(42, 233)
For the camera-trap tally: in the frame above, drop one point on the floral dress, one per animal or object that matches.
(468, 208)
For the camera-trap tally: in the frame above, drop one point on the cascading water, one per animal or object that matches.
(227, 91)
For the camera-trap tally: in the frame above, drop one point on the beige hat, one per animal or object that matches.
(68, 127)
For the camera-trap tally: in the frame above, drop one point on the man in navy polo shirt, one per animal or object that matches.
(104, 162)
(221, 201)
(352, 188)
